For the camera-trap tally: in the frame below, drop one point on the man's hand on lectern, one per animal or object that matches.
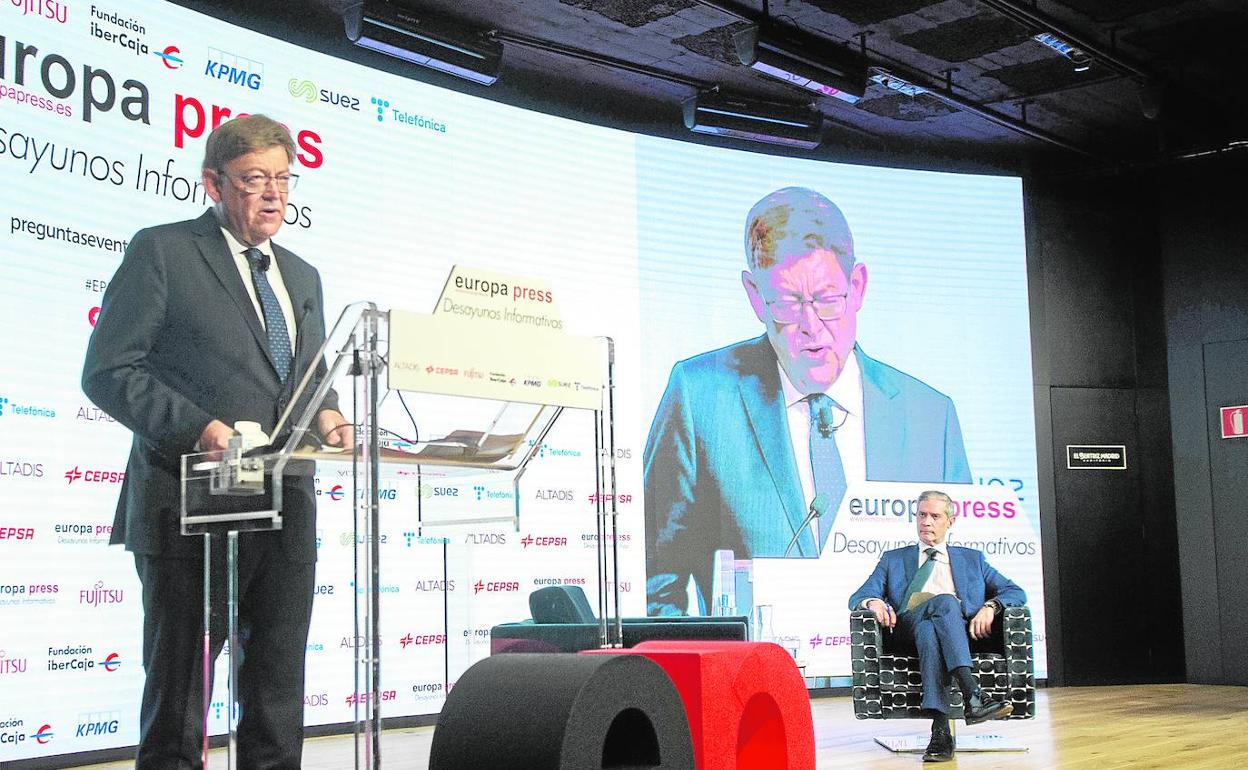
(334, 428)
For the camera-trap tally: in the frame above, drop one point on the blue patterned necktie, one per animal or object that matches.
(825, 459)
(274, 321)
(920, 578)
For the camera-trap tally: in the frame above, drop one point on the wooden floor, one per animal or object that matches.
(1087, 728)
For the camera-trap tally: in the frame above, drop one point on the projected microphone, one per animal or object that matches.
(818, 507)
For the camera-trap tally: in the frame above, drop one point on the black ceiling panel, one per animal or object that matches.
(715, 43)
(1049, 74)
(633, 13)
(866, 12)
(965, 39)
(901, 107)
(1103, 11)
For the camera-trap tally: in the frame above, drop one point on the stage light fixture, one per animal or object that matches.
(809, 61)
(422, 39)
(711, 112)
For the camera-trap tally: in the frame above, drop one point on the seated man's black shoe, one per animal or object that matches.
(983, 708)
(940, 748)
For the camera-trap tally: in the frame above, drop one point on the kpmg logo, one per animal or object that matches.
(46, 9)
(171, 57)
(234, 69)
(14, 409)
(97, 723)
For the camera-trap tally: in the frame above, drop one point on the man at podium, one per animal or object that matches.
(206, 323)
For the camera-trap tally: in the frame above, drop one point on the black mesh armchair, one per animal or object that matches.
(887, 683)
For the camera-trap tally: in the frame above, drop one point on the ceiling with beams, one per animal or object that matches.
(1156, 81)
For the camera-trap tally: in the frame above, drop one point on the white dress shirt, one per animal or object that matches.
(274, 274)
(850, 436)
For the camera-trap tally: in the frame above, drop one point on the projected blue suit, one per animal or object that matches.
(720, 470)
(975, 581)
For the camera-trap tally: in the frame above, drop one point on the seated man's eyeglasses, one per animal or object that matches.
(788, 310)
(256, 182)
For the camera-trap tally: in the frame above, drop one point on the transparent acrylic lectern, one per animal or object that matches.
(384, 355)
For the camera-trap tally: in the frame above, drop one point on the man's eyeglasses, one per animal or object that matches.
(255, 182)
(788, 310)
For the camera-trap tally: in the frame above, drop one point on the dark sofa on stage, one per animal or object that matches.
(563, 621)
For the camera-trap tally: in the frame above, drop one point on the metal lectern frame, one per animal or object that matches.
(354, 348)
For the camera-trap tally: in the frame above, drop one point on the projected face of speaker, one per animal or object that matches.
(810, 308)
(252, 217)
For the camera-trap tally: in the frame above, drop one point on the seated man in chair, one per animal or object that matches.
(932, 596)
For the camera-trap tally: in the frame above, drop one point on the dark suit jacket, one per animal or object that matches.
(973, 577)
(719, 466)
(178, 343)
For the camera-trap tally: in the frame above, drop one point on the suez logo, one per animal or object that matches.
(54, 10)
(496, 586)
(417, 640)
(883, 507)
(307, 91)
(94, 476)
(234, 69)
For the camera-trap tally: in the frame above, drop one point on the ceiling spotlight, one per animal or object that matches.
(422, 39)
(711, 112)
(1079, 57)
(814, 63)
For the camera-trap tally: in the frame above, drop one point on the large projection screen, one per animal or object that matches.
(104, 109)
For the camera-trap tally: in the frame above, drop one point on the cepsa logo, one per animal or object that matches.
(191, 119)
(422, 640)
(496, 586)
(544, 541)
(60, 80)
(365, 697)
(94, 476)
(17, 533)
